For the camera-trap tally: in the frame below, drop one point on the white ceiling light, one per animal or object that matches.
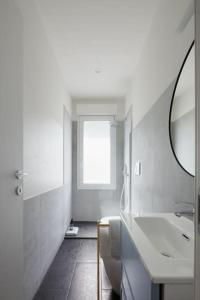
(97, 70)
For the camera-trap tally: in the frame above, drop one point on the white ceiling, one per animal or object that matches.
(97, 42)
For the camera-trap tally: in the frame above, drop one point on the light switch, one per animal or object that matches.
(137, 170)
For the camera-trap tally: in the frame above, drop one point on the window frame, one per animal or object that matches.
(95, 186)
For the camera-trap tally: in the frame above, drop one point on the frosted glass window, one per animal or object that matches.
(96, 152)
(96, 156)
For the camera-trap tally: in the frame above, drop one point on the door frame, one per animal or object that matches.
(197, 177)
(128, 168)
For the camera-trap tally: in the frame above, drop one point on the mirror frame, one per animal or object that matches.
(171, 106)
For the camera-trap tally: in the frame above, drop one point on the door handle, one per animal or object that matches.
(20, 174)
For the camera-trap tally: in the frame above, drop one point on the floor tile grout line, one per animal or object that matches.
(73, 273)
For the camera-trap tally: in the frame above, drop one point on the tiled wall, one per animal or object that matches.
(44, 227)
(46, 218)
(162, 182)
(91, 205)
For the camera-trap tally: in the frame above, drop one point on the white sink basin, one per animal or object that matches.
(169, 240)
(165, 243)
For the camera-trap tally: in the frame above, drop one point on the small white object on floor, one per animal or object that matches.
(72, 231)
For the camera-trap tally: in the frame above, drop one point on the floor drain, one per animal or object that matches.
(165, 254)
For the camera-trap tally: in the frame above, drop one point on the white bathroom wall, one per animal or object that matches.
(44, 96)
(91, 205)
(98, 106)
(46, 151)
(67, 167)
(162, 181)
(163, 52)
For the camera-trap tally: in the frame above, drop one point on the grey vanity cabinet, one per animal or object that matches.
(136, 283)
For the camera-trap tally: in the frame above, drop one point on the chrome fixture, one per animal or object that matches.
(185, 213)
(20, 174)
(189, 213)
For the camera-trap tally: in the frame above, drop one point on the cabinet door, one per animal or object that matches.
(140, 283)
(123, 295)
(126, 286)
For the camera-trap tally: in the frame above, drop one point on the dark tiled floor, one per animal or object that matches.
(72, 275)
(86, 230)
(84, 282)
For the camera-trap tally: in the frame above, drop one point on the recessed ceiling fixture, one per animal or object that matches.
(97, 71)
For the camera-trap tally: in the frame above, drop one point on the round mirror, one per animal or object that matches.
(182, 115)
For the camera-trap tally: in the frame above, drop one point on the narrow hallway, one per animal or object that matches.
(72, 274)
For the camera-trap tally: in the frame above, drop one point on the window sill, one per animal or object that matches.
(96, 187)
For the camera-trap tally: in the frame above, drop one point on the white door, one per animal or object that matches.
(11, 213)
